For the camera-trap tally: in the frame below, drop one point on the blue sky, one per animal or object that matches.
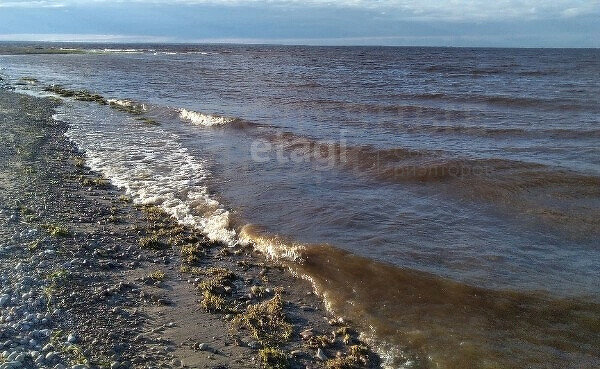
(512, 23)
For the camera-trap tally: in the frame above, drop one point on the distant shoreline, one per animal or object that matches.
(276, 44)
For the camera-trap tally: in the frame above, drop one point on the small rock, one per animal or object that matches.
(321, 355)
(203, 347)
(4, 299)
(254, 345)
(51, 355)
(11, 356)
(306, 334)
(12, 364)
(72, 338)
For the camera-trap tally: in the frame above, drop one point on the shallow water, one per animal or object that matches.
(447, 200)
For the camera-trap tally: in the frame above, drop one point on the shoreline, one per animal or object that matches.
(411, 319)
(114, 273)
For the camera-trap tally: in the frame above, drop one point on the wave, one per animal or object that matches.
(408, 111)
(125, 103)
(127, 51)
(499, 100)
(150, 164)
(480, 131)
(201, 119)
(456, 70)
(536, 190)
(487, 131)
(494, 180)
(272, 246)
(537, 72)
(435, 322)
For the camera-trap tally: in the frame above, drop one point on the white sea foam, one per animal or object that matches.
(122, 50)
(203, 119)
(35, 92)
(127, 103)
(154, 168)
(271, 246)
(150, 164)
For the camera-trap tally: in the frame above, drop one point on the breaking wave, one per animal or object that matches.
(418, 320)
(150, 164)
(128, 104)
(201, 119)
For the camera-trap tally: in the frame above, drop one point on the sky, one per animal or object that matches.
(479, 23)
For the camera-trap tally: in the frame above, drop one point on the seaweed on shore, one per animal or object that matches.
(157, 276)
(27, 81)
(267, 321)
(164, 232)
(273, 358)
(357, 357)
(79, 161)
(57, 230)
(216, 284)
(152, 242)
(81, 95)
(98, 182)
(148, 121)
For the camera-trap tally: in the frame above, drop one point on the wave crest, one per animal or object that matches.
(201, 119)
(272, 246)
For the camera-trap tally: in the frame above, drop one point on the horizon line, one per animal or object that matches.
(363, 41)
(233, 43)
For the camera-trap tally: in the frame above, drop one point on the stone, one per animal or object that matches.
(203, 347)
(321, 355)
(306, 334)
(254, 345)
(51, 355)
(11, 364)
(4, 299)
(12, 356)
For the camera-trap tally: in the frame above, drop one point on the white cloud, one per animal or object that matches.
(419, 9)
(66, 37)
(32, 4)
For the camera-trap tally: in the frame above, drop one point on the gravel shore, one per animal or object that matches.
(90, 280)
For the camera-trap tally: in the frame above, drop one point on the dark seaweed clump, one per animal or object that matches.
(81, 95)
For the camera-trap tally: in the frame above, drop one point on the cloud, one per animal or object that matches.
(66, 37)
(32, 4)
(447, 10)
